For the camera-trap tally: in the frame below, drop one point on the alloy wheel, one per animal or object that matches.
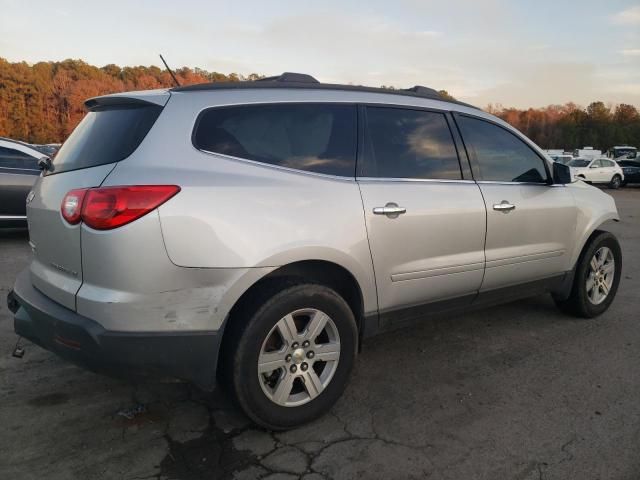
(299, 357)
(600, 276)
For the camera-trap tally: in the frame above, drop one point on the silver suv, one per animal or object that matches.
(257, 232)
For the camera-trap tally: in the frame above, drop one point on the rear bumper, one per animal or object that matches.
(189, 356)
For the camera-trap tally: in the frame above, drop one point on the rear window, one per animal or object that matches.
(317, 138)
(11, 158)
(105, 135)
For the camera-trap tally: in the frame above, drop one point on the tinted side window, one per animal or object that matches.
(499, 154)
(11, 158)
(404, 143)
(629, 163)
(318, 138)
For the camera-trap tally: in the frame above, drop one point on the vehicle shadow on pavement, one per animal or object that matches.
(515, 391)
(433, 399)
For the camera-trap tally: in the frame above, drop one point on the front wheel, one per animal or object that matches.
(291, 360)
(596, 278)
(616, 182)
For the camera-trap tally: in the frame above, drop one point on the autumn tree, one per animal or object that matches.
(43, 103)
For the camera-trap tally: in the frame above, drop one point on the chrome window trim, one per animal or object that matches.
(13, 217)
(499, 182)
(412, 180)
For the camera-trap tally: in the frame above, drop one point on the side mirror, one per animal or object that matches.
(44, 164)
(561, 174)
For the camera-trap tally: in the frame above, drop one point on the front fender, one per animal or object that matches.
(594, 208)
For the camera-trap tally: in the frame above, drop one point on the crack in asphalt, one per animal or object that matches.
(213, 452)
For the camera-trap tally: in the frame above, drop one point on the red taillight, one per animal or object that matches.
(71, 207)
(111, 207)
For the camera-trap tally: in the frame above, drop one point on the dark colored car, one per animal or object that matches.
(49, 149)
(18, 172)
(631, 169)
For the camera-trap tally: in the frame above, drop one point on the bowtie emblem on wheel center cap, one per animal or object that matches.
(298, 355)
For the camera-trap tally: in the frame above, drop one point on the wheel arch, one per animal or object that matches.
(594, 209)
(323, 272)
(588, 233)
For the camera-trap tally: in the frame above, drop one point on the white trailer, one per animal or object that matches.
(587, 152)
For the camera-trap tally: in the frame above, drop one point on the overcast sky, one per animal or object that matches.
(516, 53)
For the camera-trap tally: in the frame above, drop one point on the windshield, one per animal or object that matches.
(619, 152)
(105, 135)
(579, 163)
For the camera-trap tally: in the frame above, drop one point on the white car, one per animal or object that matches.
(598, 170)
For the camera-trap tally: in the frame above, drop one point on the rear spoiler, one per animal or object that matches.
(147, 97)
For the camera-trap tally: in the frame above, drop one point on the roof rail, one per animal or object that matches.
(290, 77)
(302, 80)
(423, 91)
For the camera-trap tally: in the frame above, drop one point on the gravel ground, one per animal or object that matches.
(515, 392)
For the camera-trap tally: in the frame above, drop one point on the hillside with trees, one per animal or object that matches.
(43, 102)
(570, 126)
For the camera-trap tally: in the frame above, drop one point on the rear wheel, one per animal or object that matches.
(291, 360)
(616, 182)
(596, 278)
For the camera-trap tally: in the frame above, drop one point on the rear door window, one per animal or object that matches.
(499, 155)
(105, 135)
(12, 159)
(318, 138)
(405, 143)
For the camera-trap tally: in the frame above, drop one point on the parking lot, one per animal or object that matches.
(518, 391)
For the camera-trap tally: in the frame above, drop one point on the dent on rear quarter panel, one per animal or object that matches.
(131, 285)
(240, 215)
(594, 208)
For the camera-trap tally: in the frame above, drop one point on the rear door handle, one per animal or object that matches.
(391, 209)
(504, 206)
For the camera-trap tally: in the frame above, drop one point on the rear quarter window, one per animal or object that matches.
(105, 135)
(318, 138)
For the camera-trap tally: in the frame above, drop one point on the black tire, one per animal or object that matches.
(252, 326)
(616, 182)
(578, 303)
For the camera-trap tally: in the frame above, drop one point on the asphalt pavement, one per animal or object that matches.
(518, 391)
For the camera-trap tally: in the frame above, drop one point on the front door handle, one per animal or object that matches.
(504, 206)
(391, 209)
